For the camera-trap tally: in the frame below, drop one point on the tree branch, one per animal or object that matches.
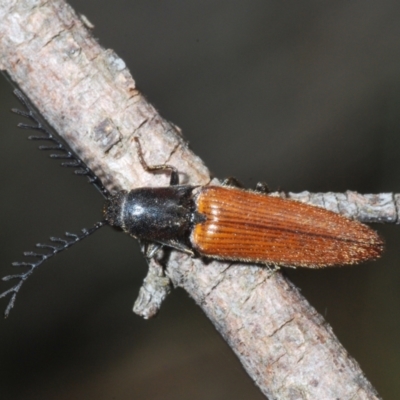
(87, 94)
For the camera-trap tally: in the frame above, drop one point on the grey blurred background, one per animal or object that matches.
(303, 95)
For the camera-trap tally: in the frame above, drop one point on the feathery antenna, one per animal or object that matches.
(62, 151)
(57, 244)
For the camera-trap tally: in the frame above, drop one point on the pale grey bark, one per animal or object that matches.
(86, 93)
(369, 208)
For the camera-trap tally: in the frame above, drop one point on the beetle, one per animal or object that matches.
(229, 223)
(218, 222)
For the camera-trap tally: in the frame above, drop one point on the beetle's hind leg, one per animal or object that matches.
(174, 180)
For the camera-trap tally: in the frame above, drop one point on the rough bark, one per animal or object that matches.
(87, 94)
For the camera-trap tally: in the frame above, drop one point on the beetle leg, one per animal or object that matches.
(232, 181)
(180, 246)
(174, 180)
(272, 269)
(262, 187)
(149, 249)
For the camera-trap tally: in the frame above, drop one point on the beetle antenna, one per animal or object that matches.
(57, 246)
(62, 150)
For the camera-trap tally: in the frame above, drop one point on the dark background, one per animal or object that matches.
(303, 95)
